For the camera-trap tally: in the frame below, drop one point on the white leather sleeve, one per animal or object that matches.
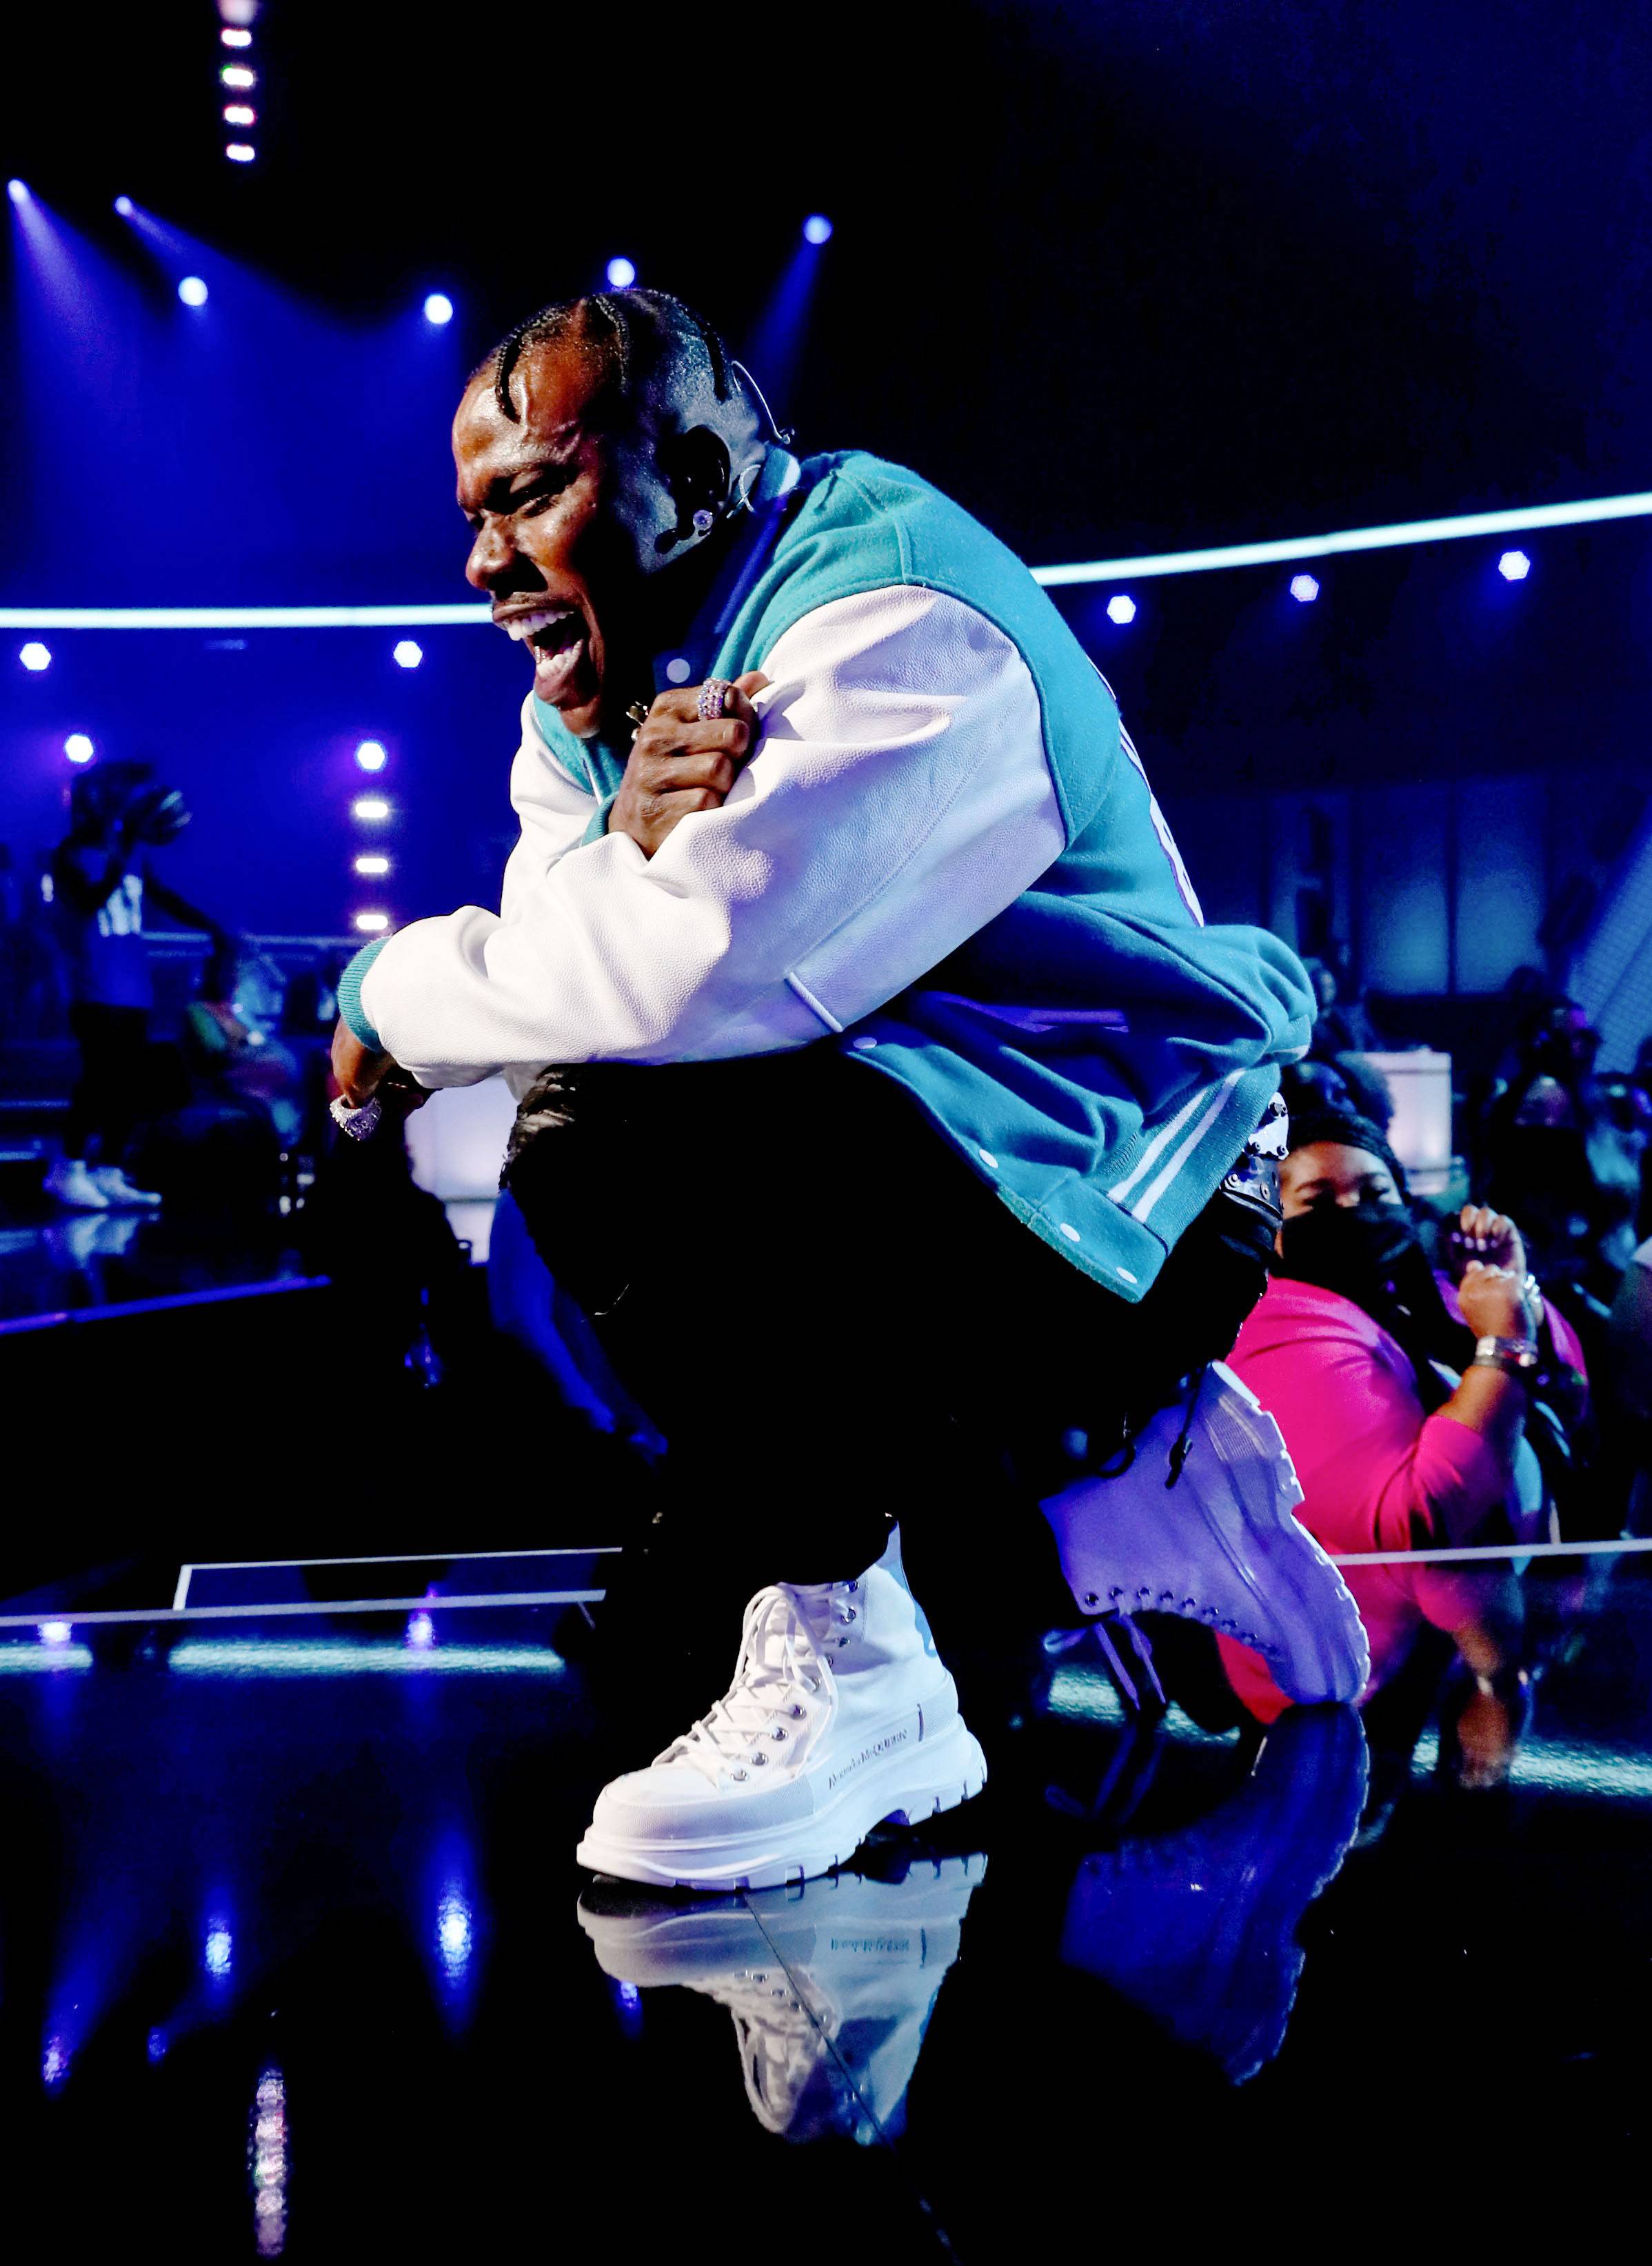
(899, 799)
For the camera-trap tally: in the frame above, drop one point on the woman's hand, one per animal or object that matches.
(1493, 1300)
(1492, 1236)
(680, 763)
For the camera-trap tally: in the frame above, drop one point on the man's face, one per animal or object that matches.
(561, 511)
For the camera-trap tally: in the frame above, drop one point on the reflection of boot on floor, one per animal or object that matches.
(1198, 1928)
(1197, 1521)
(840, 1716)
(830, 1986)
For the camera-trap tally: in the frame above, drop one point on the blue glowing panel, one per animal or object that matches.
(192, 291)
(622, 273)
(1121, 608)
(817, 228)
(438, 308)
(1514, 566)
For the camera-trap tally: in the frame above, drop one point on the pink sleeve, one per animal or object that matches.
(1372, 1466)
(1451, 1482)
(1449, 1596)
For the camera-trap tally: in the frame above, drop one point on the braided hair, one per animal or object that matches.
(631, 337)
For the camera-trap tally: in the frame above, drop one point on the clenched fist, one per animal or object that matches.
(678, 763)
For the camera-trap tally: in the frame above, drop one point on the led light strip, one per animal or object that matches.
(1586, 514)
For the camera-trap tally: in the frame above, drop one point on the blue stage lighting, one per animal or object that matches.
(192, 291)
(406, 654)
(123, 206)
(78, 747)
(1304, 589)
(1120, 608)
(622, 273)
(438, 308)
(371, 807)
(372, 866)
(817, 228)
(1514, 566)
(35, 656)
(18, 191)
(371, 757)
(239, 153)
(372, 924)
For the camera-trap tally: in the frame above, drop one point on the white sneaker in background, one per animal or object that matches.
(1199, 1522)
(830, 1986)
(840, 1716)
(117, 1189)
(70, 1181)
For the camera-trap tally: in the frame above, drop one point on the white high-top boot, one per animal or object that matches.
(840, 1716)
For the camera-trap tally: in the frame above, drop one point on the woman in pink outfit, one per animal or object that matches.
(1403, 1403)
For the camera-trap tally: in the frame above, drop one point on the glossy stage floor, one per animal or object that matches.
(296, 1961)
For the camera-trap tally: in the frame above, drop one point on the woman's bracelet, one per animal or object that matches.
(1515, 1356)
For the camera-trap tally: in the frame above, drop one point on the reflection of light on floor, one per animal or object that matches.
(269, 2164)
(298, 1657)
(455, 1934)
(1563, 1766)
(39, 1659)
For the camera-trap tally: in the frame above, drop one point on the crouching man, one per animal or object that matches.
(884, 1097)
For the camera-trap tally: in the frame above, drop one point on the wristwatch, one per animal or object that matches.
(1515, 1356)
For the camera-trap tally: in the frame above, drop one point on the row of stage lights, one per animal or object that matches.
(620, 272)
(1513, 565)
(237, 83)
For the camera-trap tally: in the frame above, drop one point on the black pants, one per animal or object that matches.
(108, 1096)
(833, 1321)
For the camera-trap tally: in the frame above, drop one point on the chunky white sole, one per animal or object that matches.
(904, 1789)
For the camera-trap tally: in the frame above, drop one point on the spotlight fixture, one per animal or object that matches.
(35, 656)
(78, 747)
(192, 291)
(123, 206)
(233, 38)
(239, 153)
(18, 191)
(369, 807)
(622, 273)
(406, 654)
(817, 228)
(1304, 589)
(438, 308)
(1120, 608)
(1514, 566)
(239, 114)
(372, 866)
(238, 75)
(372, 756)
(56, 1633)
(372, 924)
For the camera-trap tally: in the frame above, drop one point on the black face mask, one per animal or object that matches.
(1358, 1250)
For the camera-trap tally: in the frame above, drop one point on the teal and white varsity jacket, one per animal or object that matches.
(944, 857)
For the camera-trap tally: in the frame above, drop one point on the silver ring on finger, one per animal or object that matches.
(714, 698)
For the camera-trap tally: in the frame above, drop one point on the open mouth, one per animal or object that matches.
(548, 629)
(556, 636)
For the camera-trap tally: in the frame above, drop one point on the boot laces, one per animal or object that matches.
(781, 1676)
